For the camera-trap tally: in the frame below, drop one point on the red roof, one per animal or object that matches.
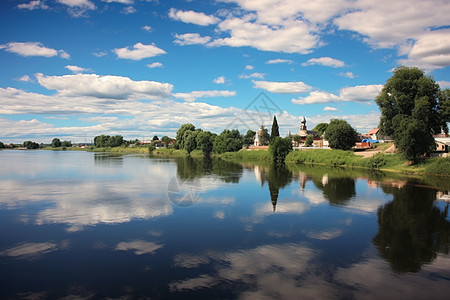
(374, 131)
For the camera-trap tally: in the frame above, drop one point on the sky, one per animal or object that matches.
(75, 69)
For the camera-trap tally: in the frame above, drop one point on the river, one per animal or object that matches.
(95, 225)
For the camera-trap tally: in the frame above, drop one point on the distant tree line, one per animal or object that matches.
(56, 143)
(108, 141)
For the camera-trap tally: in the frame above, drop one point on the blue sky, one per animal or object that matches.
(76, 68)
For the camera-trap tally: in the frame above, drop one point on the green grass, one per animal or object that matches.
(166, 153)
(324, 157)
(246, 156)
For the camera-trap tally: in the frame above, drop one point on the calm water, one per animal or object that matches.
(93, 226)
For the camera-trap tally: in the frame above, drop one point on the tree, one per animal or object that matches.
(248, 138)
(166, 140)
(30, 145)
(279, 148)
(444, 107)
(108, 141)
(309, 140)
(275, 129)
(341, 135)
(409, 105)
(205, 142)
(320, 128)
(263, 136)
(56, 143)
(66, 144)
(155, 138)
(179, 143)
(2, 145)
(296, 138)
(228, 141)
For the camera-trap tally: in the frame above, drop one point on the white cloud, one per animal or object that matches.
(444, 84)
(355, 93)
(325, 235)
(191, 39)
(192, 96)
(325, 61)
(374, 20)
(430, 51)
(128, 10)
(347, 74)
(328, 108)
(139, 51)
(155, 65)
(253, 75)
(25, 78)
(147, 28)
(77, 8)
(193, 17)
(75, 69)
(32, 5)
(279, 61)
(249, 67)
(33, 49)
(282, 87)
(114, 87)
(219, 80)
(100, 54)
(29, 250)
(119, 1)
(293, 36)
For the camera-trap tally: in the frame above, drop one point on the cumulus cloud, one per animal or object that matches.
(192, 17)
(328, 108)
(279, 61)
(139, 247)
(347, 74)
(155, 65)
(138, 51)
(25, 78)
(29, 250)
(192, 96)
(119, 1)
(77, 8)
(444, 84)
(33, 49)
(252, 75)
(75, 69)
(128, 10)
(32, 5)
(325, 61)
(249, 67)
(191, 39)
(114, 87)
(293, 36)
(282, 87)
(219, 80)
(147, 28)
(355, 93)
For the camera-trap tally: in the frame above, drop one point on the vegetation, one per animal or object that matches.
(248, 138)
(56, 143)
(340, 135)
(108, 141)
(309, 140)
(320, 128)
(275, 130)
(31, 145)
(444, 107)
(205, 142)
(410, 111)
(279, 148)
(228, 141)
(2, 145)
(263, 136)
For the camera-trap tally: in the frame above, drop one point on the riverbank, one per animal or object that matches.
(381, 161)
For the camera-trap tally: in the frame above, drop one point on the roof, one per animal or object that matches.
(374, 131)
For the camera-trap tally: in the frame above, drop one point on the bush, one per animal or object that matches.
(377, 161)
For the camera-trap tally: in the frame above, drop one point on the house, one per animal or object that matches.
(373, 134)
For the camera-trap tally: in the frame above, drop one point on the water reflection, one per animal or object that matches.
(412, 230)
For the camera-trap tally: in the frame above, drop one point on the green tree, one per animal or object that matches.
(296, 138)
(444, 107)
(66, 144)
(309, 140)
(179, 142)
(320, 128)
(263, 136)
(166, 140)
(190, 142)
(101, 141)
(155, 138)
(56, 143)
(275, 129)
(248, 138)
(341, 135)
(205, 142)
(279, 148)
(31, 145)
(228, 141)
(2, 145)
(409, 105)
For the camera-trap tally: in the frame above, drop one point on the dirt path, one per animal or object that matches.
(366, 153)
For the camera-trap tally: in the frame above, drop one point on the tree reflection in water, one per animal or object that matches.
(278, 177)
(412, 230)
